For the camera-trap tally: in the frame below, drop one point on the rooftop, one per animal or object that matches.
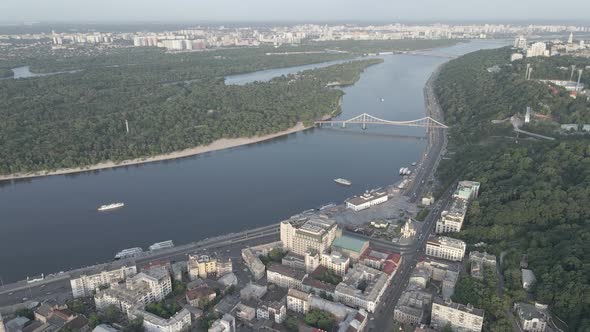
(298, 294)
(374, 279)
(458, 306)
(447, 242)
(366, 197)
(157, 320)
(349, 243)
(286, 271)
(528, 311)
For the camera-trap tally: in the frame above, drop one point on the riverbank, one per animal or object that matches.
(221, 144)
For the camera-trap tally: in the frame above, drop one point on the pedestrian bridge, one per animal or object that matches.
(366, 119)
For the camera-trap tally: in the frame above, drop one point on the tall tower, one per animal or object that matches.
(570, 40)
(527, 116)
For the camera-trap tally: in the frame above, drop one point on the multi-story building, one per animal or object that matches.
(537, 49)
(381, 260)
(362, 287)
(301, 234)
(335, 262)
(366, 200)
(87, 283)
(298, 301)
(452, 218)
(443, 271)
(284, 276)
(126, 300)
(445, 248)
(411, 306)
(532, 318)
(461, 318)
(204, 266)
(227, 323)
(157, 280)
(140, 290)
(520, 42)
(271, 307)
(181, 321)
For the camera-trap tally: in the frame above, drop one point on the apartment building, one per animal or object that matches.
(284, 276)
(86, 283)
(298, 301)
(461, 318)
(181, 321)
(205, 266)
(362, 287)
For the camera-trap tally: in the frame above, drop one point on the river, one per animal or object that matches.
(51, 224)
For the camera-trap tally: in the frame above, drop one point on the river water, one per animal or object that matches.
(51, 224)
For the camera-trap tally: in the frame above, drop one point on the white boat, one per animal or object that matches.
(414, 164)
(126, 253)
(404, 171)
(382, 100)
(110, 206)
(343, 181)
(162, 245)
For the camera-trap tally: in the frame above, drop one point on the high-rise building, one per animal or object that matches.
(461, 318)
(537, 49)
(301, 234)
(570, 40)
(520, 42)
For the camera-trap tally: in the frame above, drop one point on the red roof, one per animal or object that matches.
(387, 259)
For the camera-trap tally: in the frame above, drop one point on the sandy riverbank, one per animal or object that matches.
(224, 143)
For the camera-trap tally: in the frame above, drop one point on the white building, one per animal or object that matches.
(87, 283)
(181, 321)
(298, 301)
(537, 49)
(452, 218)
(362, 287)
(516, 57)
(446, 248)
(156, 279)
(227, 323)
(532, 318)
(301, 234)
(366, 200)
(140, 290)
(462, 318)
(520, 42)
(284, 276)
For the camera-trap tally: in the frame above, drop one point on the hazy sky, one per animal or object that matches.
(292, 10)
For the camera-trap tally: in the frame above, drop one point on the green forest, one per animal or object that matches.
(77, 119)
(534, 196)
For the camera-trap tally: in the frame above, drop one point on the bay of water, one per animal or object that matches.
(51, 224)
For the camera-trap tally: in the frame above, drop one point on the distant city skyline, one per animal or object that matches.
(18, 11)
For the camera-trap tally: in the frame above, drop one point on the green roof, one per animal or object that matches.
(349, 243)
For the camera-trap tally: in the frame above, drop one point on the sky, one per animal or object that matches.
(92, 11)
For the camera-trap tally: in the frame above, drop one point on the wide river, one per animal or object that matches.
(51, 224)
